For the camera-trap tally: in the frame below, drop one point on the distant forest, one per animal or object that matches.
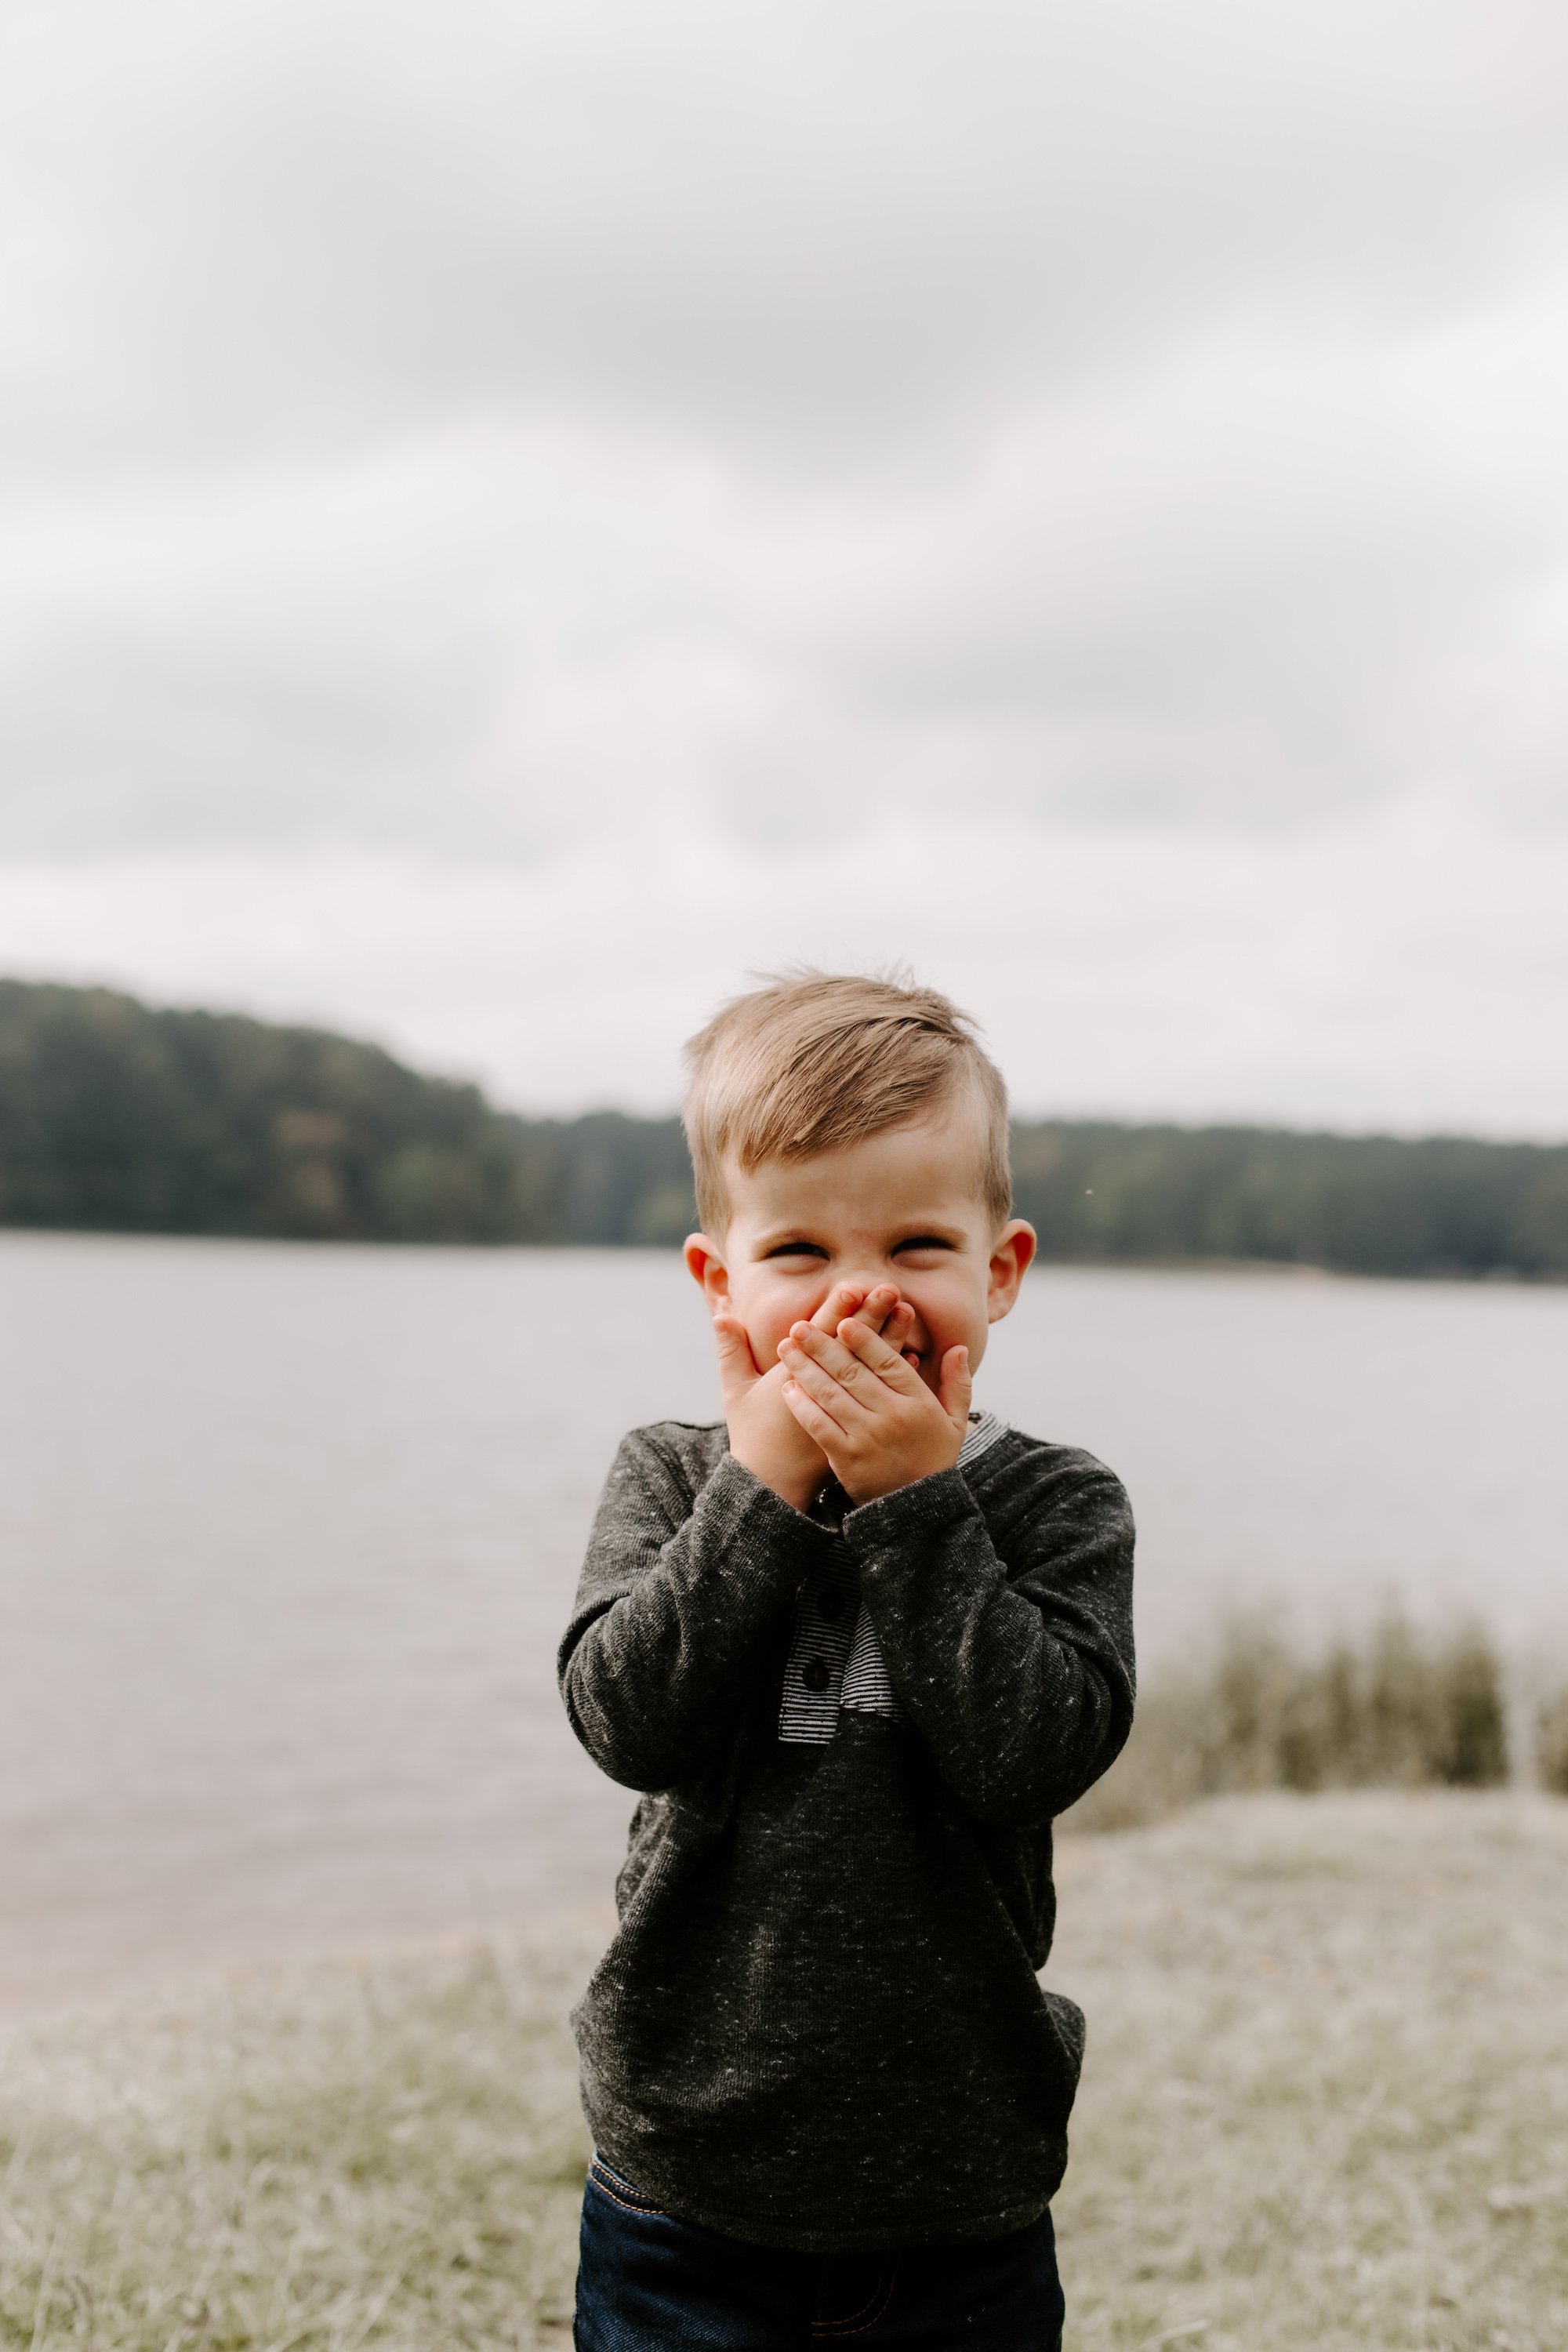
(118, 1117)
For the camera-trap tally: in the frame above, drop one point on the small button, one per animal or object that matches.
(815, 1674)
(830, 1604)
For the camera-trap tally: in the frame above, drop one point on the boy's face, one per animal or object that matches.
(901, 1207)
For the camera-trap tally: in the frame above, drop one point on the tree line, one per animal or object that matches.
(117, 1117)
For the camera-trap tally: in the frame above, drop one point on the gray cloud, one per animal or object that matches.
(812, 234)
(474, 430)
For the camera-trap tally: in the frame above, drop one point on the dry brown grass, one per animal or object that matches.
(1401, 1709)
(382, 2154)
(1326, 2103)
(1552, 1743)
(1325, 2110)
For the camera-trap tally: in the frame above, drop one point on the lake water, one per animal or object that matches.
(288, 1536)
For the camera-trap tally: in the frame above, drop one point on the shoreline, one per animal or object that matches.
(1516, 1810)
(269, 1968)
(1438, 1275)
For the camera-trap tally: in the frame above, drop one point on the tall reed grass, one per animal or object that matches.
(1552, 1743)
(1400, 1710)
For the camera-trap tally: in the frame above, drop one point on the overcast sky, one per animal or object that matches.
(512, 515)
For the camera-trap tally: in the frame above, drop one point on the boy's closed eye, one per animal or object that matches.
(915, 1243)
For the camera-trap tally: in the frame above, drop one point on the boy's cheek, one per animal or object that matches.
(948, 1312)
(764, 1334)
(951, 1320)
(769, 1319)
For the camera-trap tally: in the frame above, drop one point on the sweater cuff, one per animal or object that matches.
(923, 1507)
(744, 1516)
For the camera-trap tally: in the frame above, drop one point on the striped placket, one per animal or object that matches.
(835, 1658)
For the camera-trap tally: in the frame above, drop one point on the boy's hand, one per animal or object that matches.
(766, 1436)
(868, 1408)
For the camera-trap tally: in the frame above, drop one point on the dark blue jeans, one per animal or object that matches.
(648, 2282)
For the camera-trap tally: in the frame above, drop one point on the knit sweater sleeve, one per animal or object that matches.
(680, 1603)
(1012, 1652)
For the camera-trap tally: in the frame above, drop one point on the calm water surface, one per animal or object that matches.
(288, 1536)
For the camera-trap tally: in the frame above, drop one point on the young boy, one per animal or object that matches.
(858, 1646)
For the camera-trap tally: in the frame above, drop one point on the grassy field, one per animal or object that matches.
(1325, 2110)
(1326, 2103)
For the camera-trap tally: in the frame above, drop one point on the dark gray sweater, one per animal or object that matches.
(819, 2024)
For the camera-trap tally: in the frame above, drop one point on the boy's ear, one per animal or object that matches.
(705, 1264)
(1011, 1253)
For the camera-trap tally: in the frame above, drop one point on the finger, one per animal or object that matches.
(843, 1299)
(896, 1330)
(825, 1348)
(885, 1362)
(880, 1302)
(737, 1365)
(811, 1417)
(900, 1324)
(956, 1386)
(835, 1396)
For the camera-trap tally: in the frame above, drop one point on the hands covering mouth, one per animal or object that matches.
(846, 1395)
(856, 1389)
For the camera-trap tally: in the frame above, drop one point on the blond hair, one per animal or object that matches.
(814, 1060)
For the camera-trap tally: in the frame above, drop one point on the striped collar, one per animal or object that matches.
(985, 1429)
